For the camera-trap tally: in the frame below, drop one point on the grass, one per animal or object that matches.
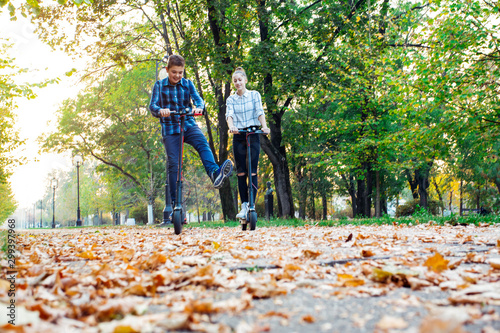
(417, 218)
(386, 220)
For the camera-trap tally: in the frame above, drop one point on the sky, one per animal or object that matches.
(30, 181)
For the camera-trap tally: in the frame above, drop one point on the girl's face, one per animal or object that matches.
(175, 74)
(239, 82)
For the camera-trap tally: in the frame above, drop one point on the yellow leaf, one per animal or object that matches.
(437, 263)
(216, 245)
(292, 267)
(353, 282)
(343, 277)
(87, 255)
(124, 329)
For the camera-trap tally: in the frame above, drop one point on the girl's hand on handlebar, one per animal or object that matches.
(234, 130)
(164, 112)
(266, 130)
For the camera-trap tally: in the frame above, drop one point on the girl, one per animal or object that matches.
(244, 109)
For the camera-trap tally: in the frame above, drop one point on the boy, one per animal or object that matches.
(174, 93)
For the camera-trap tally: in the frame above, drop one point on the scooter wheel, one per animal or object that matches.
(177, 219)
(253, 220)
(243, 224)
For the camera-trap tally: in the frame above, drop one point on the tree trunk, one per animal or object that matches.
(325, 206)
(226, 196)
(413, 184)
(478, 198)
(301, 180)
(367, 200)
(383, 205)
(281, 174)
(360, 199)
(274, 148)
(313, 203)
(497, 183)
(351, 188)
(439, 194)
(422, 179)
(377, 195)
(461, 198)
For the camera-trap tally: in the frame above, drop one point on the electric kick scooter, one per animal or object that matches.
(251, 217)
(178, 211)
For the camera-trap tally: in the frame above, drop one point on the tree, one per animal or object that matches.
(110, 122)
(456, 76)
(8, 204)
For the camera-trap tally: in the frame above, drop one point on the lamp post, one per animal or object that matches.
(41, 210)
(78, 160)
(54, 184)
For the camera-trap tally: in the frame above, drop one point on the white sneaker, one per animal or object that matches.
(243, 212)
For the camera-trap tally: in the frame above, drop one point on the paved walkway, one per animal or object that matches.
(422, 278)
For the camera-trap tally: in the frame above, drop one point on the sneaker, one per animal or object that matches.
(243, 212)
(219, 175)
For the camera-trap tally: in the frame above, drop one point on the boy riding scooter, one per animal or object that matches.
(171, 95)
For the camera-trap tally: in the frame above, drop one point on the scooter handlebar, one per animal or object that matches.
(250, 130)
(186, 112)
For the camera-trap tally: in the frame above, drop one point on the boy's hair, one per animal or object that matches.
(239, 70)
(176, 60)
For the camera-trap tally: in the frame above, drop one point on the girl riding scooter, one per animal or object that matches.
(244, 110)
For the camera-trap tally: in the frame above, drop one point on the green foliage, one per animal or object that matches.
(9, 91)
(412, 208)
(383, 89)
(8, 204)
(139, 212)
(110, 123)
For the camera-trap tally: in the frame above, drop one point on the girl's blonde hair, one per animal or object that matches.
(239, 70)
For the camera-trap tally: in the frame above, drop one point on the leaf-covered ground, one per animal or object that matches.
(391, 278)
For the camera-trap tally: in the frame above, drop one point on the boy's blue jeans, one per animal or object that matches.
(195, 138)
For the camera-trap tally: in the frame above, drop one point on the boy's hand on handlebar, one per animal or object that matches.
(266, 130)
(234, 130)
(197, 111)
(164, 112)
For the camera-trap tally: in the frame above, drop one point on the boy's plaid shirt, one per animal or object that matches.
(167, 96)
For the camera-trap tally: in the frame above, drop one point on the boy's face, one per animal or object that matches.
(175, 74)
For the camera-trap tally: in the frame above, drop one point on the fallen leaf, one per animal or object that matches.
(436, 263)
(87, 255)
(310, 254)
(391, 323)
(275, 314)
(494, 263)
(308, 319)
(432, 324)
(367, 253)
